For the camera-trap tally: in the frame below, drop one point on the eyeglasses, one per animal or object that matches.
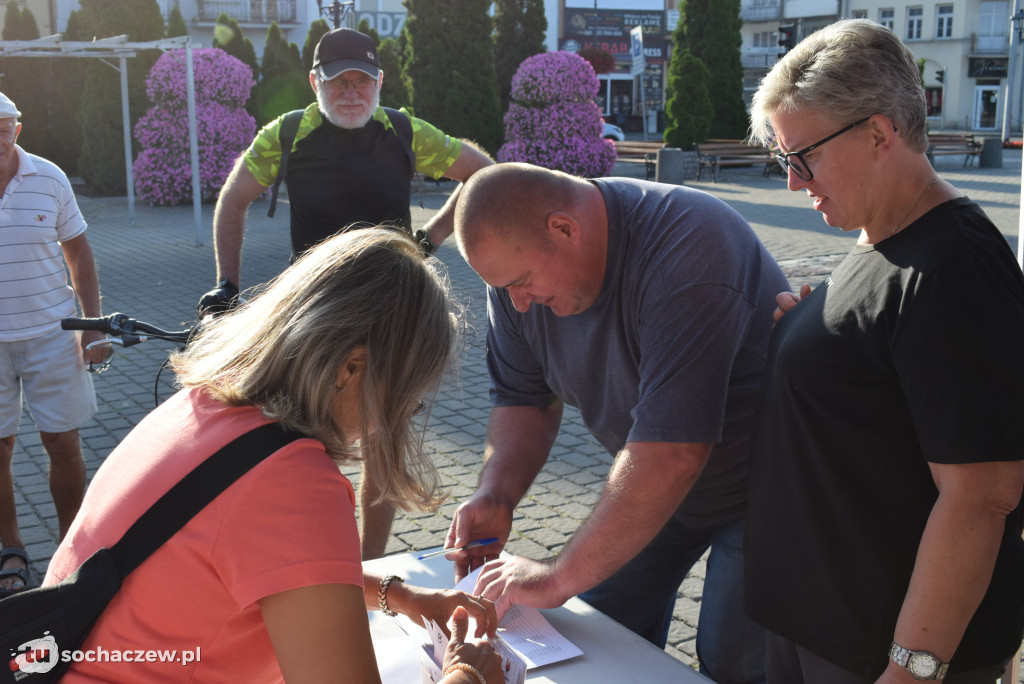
(344, 84)
(795, 160)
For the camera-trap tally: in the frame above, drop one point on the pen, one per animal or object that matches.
(470, 545)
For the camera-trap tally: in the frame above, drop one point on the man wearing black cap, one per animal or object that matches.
(348, 165)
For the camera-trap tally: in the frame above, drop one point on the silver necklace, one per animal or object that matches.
(916, 202)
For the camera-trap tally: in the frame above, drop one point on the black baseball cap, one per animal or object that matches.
(343, 49)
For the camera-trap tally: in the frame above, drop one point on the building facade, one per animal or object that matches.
(964, 47)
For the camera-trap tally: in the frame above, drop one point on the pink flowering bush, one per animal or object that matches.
(553, 120)
(163, 170)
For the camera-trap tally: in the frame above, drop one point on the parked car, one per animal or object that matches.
(612, 132)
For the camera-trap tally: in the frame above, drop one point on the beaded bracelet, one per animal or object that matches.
(467, 668)
(382, 594)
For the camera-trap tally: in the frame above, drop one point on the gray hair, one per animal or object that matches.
(283, 349)
(849, 70)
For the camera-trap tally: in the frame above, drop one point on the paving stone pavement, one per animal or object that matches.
(153, 269)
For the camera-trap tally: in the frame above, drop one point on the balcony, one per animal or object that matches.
(752, 13)
(760, 58)
(248, 11)
(990, 45)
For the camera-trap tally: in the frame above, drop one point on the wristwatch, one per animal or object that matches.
(921, 665)
(425, 243)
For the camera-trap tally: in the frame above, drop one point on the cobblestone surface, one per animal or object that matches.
(153, 268)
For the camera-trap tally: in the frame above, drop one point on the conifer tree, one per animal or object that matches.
(449, 60)
(519, 27)
(285, 83)
(176, 25)
(710, 31)
(101, 162)
(689, 111)
(317, 29)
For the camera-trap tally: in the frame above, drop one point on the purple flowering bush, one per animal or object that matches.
(553, 120)
(163, 170)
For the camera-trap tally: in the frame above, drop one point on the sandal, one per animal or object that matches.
(21, 574)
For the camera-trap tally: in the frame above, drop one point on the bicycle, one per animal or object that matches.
(127, 332)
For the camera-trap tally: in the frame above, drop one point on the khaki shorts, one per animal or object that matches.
(50, 372)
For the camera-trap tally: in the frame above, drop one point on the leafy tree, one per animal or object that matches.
(710, 30)
(285, 83)
(176, 25)
(317, 29)
(101, 163)
(602, 60)
(450, 61)
(689, 111)
(519, 27)
(394, 92)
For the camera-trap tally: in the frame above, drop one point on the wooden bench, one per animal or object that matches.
(639, 152)
(714, 154)
(940, 144)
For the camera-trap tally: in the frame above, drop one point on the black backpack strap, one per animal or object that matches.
(403, 129)
(286, 137)
(197, 489)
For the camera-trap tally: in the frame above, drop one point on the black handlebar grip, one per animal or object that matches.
(100, 324)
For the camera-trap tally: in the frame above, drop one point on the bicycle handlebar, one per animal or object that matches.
(130, 330)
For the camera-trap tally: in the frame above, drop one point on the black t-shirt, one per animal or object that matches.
(339, 177)
(910, 353)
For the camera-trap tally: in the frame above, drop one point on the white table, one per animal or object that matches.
(611, 653)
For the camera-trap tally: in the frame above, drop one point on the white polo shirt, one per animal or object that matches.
(38, 211)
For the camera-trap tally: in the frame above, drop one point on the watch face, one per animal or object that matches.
(922, 665)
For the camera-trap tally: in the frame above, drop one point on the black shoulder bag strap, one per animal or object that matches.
(286, 137)
(197, 489)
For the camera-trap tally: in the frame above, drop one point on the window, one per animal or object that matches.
(944, 21)
(764, 40)
(885, 18)
(915, 15)
(859, 14)
(993, 19)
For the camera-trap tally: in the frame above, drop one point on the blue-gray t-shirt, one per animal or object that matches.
(672, 350)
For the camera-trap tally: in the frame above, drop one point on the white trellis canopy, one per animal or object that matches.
(121, 49)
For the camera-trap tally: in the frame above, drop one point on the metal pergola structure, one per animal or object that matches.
(121, 49)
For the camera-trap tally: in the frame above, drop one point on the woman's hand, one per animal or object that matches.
(439, 604)
(787, 300)
(480, 655)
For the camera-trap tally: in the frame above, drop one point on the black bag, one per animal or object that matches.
(39, 628)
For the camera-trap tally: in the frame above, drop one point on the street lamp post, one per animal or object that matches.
(337, 10)
(1018, 23)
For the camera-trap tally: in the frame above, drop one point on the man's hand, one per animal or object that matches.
(98, 354)
(481, 517)
(787, 300)
(512, 580)
(222, 298)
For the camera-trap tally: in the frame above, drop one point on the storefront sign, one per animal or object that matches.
(978, 67)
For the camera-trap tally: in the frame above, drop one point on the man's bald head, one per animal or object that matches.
(512, 201)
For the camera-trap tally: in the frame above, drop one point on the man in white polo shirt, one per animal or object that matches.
(39, 223)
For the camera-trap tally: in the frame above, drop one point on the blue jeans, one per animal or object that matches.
(641, 596)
